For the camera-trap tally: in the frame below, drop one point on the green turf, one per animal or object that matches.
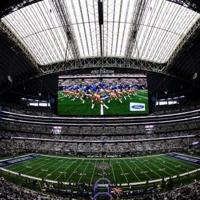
(69, 106)
(85, 170)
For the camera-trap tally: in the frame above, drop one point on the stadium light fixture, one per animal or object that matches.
(195, 75)
(149, 129)
(10, 79)
(56, 130)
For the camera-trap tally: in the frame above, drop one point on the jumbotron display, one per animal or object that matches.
(117, 95)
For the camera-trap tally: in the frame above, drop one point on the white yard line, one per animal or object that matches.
(93, 172)
(53, 171)
(131, 170)
(123, 172)
(84, 171)
(152, 163)
(72, 162)
(75, 170)
(33, 168)
(166, 166)
(113, 173)
(141, 170)
(40, 166)
(124, 184)
(153, 171)
(177, 172)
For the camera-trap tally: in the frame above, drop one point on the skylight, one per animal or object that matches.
(54, 31)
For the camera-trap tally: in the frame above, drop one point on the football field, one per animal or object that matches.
(89, 170)
(76, 106)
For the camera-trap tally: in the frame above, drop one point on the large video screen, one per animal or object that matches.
(119, 95)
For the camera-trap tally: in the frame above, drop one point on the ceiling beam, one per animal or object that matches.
(96, 63)
(135, 24)
(106, 62)
(100, 12)
(65, 20)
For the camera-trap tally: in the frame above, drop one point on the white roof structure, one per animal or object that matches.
(59, 30)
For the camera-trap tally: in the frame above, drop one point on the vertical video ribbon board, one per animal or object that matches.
(119, 95)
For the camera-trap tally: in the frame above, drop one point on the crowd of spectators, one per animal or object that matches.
(169, 128)
(10, 191)
(141, 147)
(8, 145)
(97, 140)
(190, 192)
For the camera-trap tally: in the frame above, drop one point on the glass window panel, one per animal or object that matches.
(79, 41)
(163, 26)
(76, 8)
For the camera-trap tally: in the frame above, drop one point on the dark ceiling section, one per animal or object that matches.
(14, 65)
(7, 6)
(166, 86)
(40, 87)
(43, 88)
(187, 61)
(191, 4)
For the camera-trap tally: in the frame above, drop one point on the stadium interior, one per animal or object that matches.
(100, 99)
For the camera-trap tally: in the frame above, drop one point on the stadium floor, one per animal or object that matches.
(117, 170)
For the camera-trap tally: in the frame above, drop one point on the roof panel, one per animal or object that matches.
(41, 29)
